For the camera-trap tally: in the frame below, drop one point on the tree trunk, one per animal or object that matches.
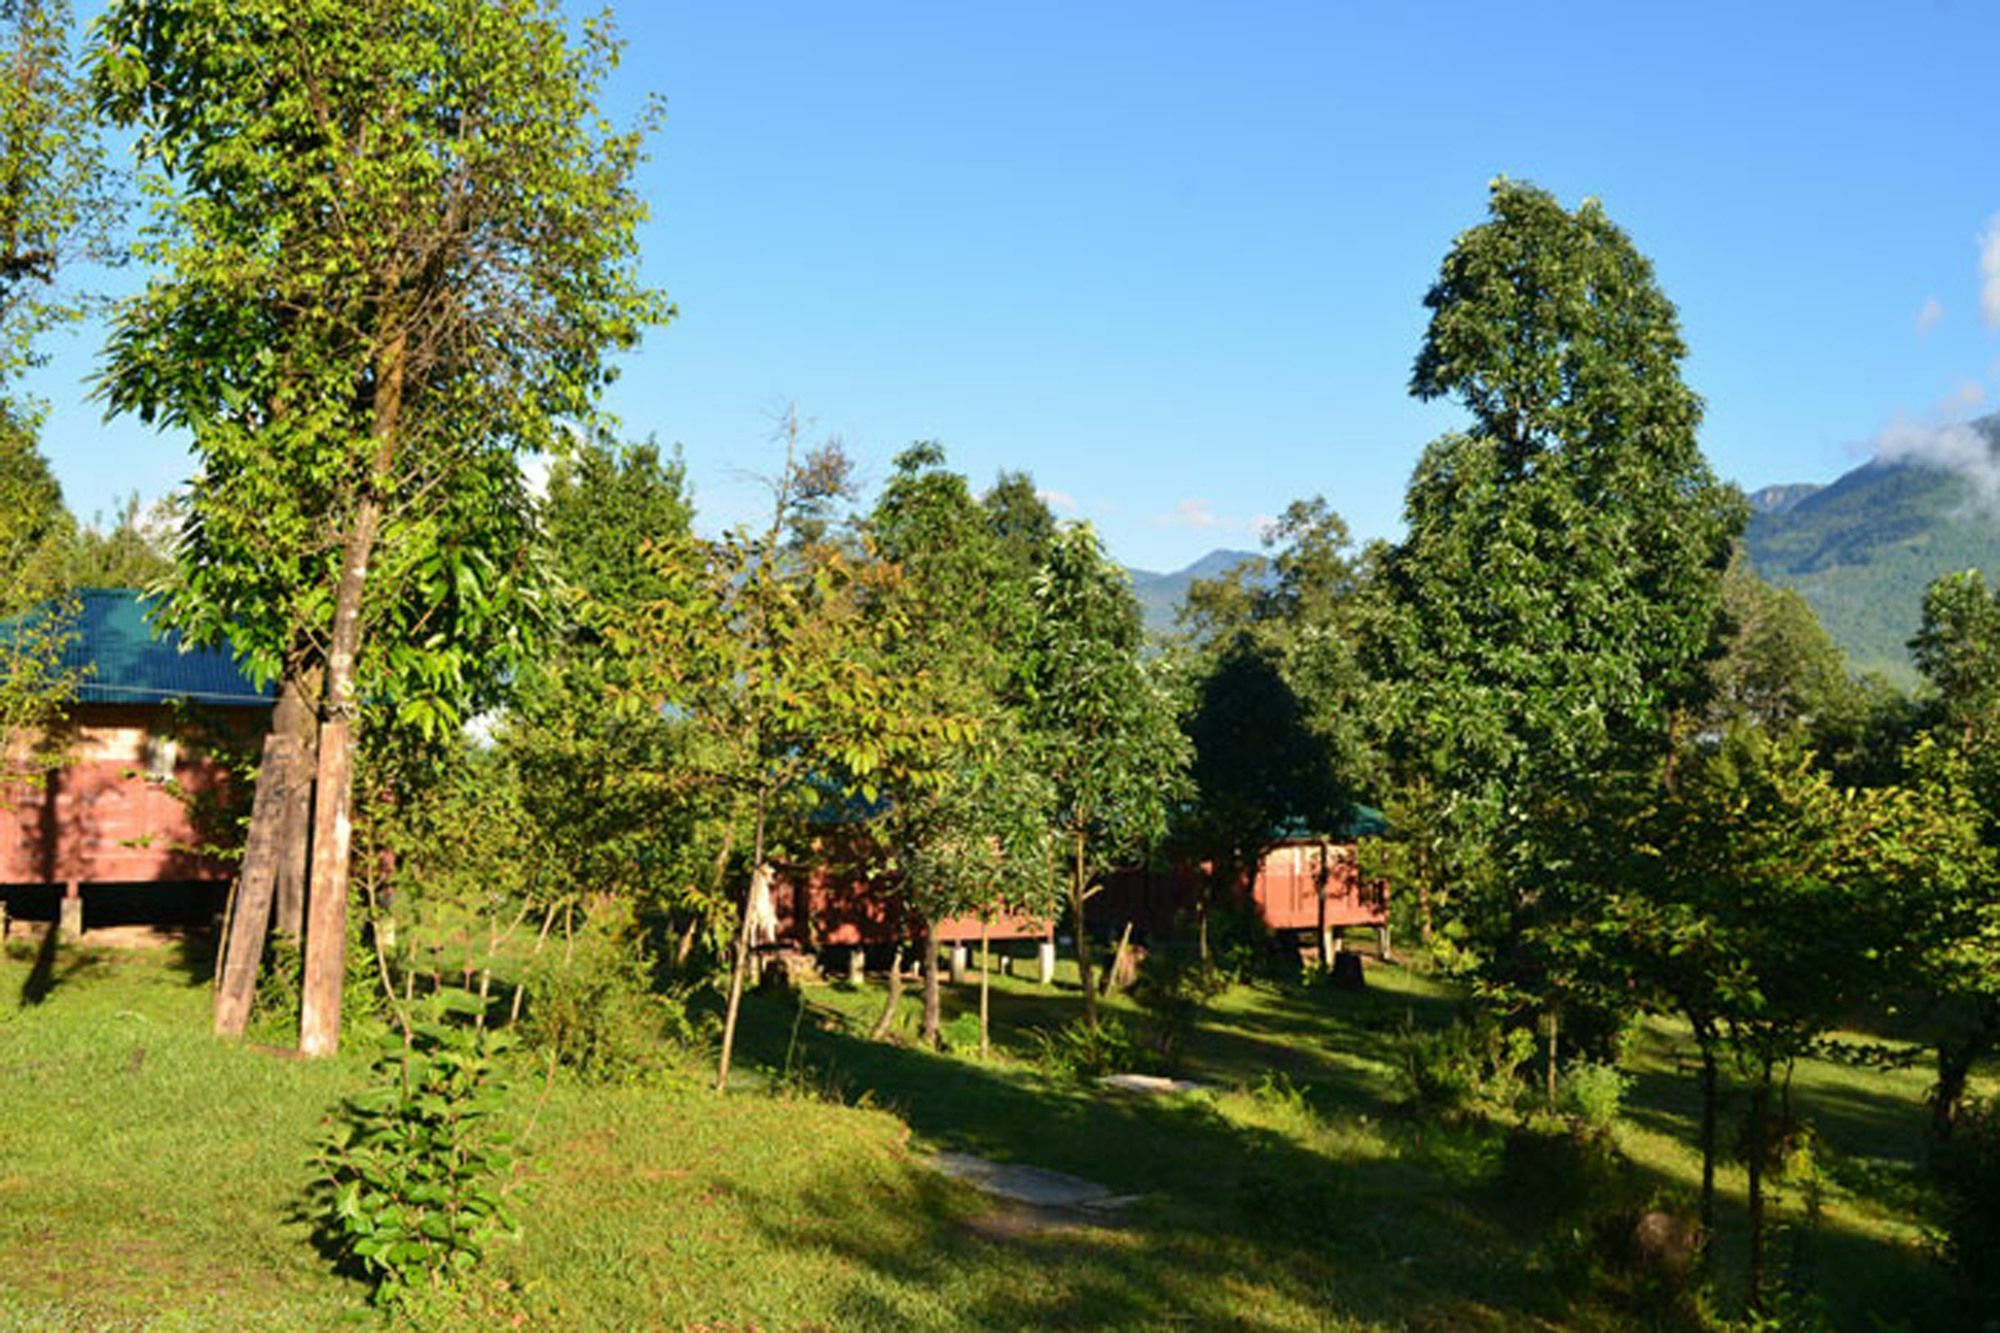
(1710, 1094)
(887, 1022)
(333, 827)
(739, 962)
(931, 1032)
(985, 971)
(1076, 895)
(293, 718)
(1954, 1066)
(250, 914)
(333, 786)
(1760, 1109)
(1555, 1036)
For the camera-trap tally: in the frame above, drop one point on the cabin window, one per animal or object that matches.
(160, 755)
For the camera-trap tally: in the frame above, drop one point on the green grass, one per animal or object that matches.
(149, 1176)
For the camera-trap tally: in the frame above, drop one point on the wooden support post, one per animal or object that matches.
(256, 884)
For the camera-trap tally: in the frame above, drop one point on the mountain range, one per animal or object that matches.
(1860, 549)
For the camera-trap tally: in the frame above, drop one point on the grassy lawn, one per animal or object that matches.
(150, 1177)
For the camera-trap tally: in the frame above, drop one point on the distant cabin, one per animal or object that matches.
(112, 836)
(1305, 880)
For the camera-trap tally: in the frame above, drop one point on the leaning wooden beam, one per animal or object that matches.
(250, 916)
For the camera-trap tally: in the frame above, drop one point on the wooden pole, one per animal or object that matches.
(250, 903)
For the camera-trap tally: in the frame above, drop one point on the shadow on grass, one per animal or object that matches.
(1408, 1224)
(1243, 1227)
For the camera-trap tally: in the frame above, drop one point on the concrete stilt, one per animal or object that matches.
(1382, 940)
(1045, 956)
(856, 959)
(958, 964)
(70, 918)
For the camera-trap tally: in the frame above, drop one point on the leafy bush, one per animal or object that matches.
(1173, 987)
(591, 1007)
(1076, 1050)
(1591, 1096)
(1472, 1065)
(1968, 1174)
(411, 1174)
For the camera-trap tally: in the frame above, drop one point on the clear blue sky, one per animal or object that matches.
(1169, 257)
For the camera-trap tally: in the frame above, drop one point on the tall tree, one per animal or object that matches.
(1957, 764)
(1279, 705)
(966, 831)
(397, 243)
(1558, 589)
(58, 205)
(1103, 724)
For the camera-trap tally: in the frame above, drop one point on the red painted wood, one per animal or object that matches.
(102, 819)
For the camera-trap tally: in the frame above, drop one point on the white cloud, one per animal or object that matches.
(1956, 447)
(1062, 500)
(1968, 395)
(1928, 315)
(1989, 273)
(1197, 514)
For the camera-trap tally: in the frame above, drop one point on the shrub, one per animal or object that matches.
(1968, 1175)
(1591, 1096)
(1173, 987)
(591, 1007)
(411, 1174)
(1472, 1065)
(1076, 1050)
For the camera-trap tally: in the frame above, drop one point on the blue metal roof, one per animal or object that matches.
(123, 658)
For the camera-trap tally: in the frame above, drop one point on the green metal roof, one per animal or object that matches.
(124, 659)
(1354, 822)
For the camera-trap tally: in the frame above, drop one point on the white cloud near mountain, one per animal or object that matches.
(1955, 447)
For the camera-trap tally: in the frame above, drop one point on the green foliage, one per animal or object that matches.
(411, 1178)
(1472, 1066)
(1084, 1051)
(1559, 588)
(591, 1006)
(1967, 1170)
(1174, 986)
(1591, 1094)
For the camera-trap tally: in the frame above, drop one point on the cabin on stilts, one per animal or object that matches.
(123, 827)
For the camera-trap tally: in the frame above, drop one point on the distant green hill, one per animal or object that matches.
(1863, 549)
(1160, 595)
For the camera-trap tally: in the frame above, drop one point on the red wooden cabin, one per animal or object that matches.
(1298, 878)
(105, 838)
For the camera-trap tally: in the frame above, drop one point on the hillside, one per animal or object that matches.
(1863, 549)
(1160, 595)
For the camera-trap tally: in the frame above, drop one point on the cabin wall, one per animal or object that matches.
(1285, 892)
(108, 816)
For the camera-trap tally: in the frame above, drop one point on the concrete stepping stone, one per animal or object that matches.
(1035, 1186)
(1150, 1083)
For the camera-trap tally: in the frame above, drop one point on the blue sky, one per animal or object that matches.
(1170, 257)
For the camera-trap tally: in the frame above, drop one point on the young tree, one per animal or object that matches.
(1559, 587)
(58, 206)
(1102, 724)
(764, 642)
(397, 244)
